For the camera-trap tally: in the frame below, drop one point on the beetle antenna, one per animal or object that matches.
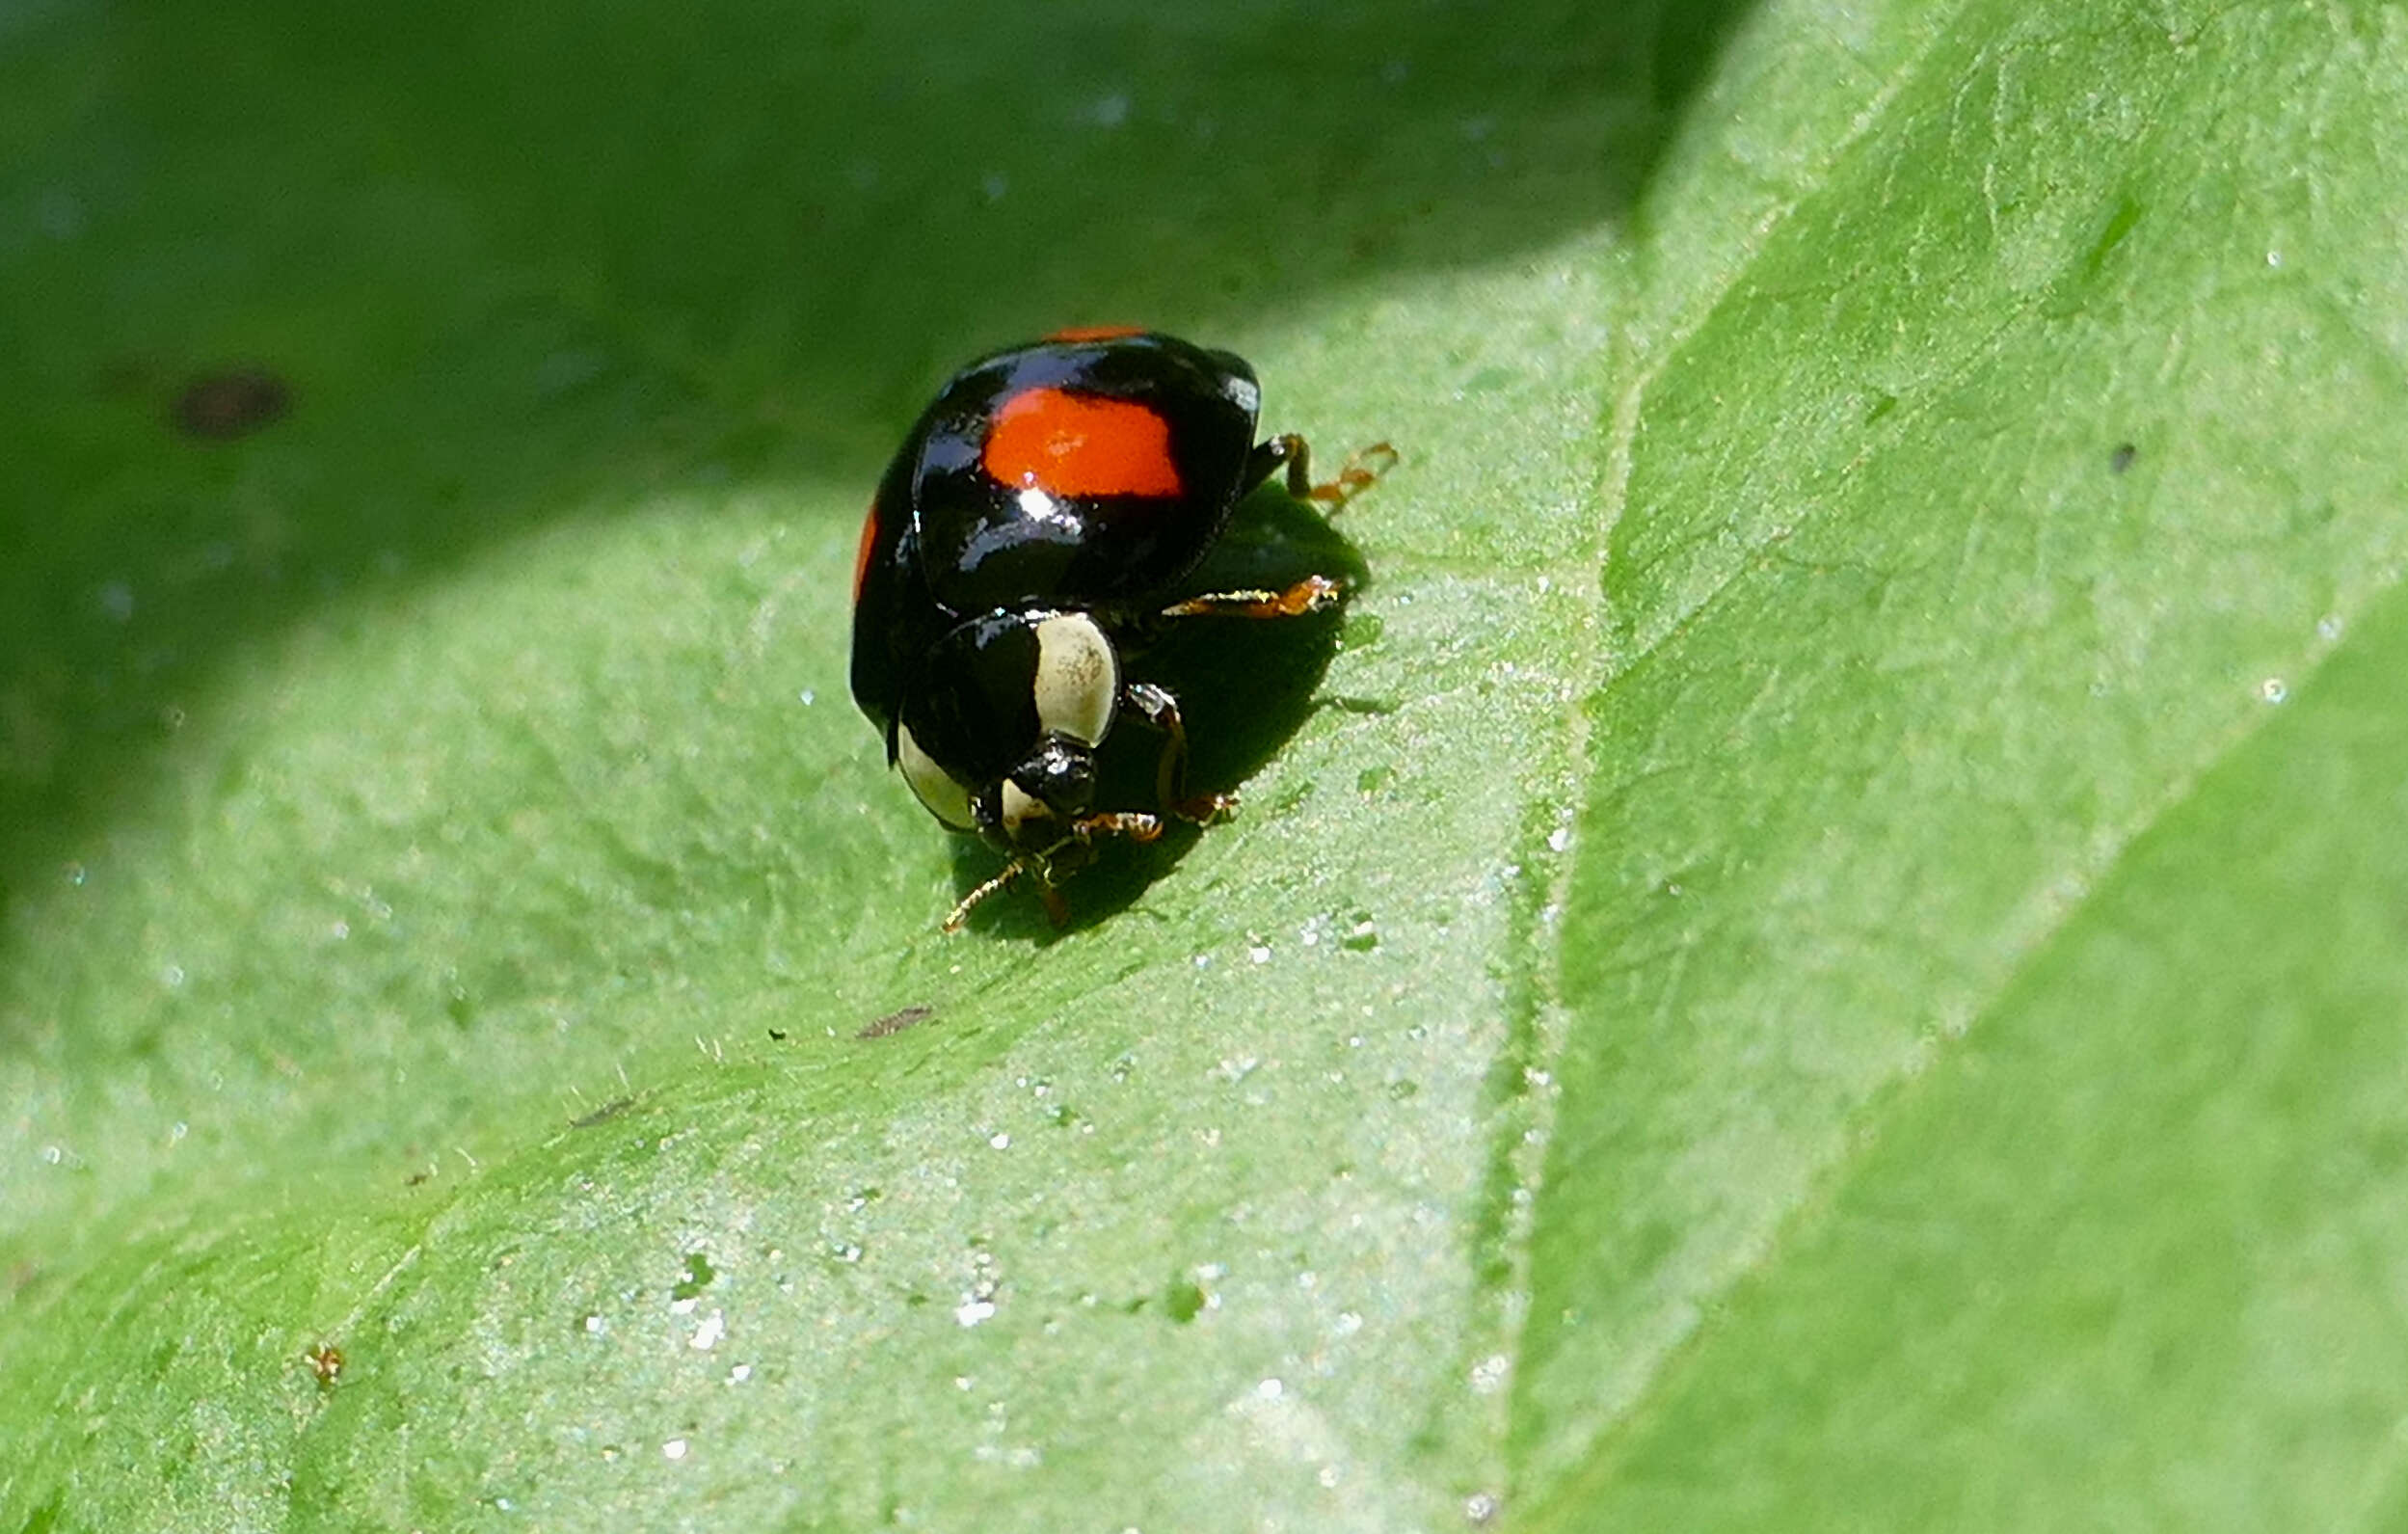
(961, 913)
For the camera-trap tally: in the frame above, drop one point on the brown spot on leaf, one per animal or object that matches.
(326, 1361)
(896, 1022)
(231, 403)
(602, 1114)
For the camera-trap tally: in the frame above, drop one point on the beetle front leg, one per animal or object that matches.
(1135, 824)
(1158, 708)
(1064, 857)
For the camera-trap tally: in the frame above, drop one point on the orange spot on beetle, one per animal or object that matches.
(1073, 446)
(861, 554)
(1097, 333)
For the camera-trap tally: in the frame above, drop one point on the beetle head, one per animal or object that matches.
(1000, 735)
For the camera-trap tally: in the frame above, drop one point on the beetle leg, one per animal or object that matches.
(1135, 824)
(1355, 476)
(1158, 708)
(1287, 448)
(1311, 594)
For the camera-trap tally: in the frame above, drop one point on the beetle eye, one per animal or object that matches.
(937, 791)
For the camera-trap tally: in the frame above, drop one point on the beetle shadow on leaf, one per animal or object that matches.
(1245, 687)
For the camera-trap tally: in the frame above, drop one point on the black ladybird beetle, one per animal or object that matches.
(1033, 524)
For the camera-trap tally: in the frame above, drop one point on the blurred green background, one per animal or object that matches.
(1833, 957)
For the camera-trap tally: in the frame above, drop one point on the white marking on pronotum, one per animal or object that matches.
(1077, 677)
(1244, 393)
(944, 799)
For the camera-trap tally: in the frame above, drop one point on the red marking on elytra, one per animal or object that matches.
(861, 554)
(1097, 333)
(1075, 446)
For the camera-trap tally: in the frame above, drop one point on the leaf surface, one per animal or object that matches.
(1824, 955)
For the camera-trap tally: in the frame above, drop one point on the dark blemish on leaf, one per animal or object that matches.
(2122, 458)
(777, 1035)
(2119, 224)
(1883, 405)
(1358, 932)
(896, 1022)
(602, 1114)
(1374, 707)
(1183, 1301)
(326, 1361)
(221, 406)
(698, 1276)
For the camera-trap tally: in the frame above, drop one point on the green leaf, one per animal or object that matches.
(1979, 536)
(1827, 960)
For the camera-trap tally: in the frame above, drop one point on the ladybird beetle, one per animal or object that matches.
(1031, 530)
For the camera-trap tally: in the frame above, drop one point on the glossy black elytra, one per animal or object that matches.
(1033, 526)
